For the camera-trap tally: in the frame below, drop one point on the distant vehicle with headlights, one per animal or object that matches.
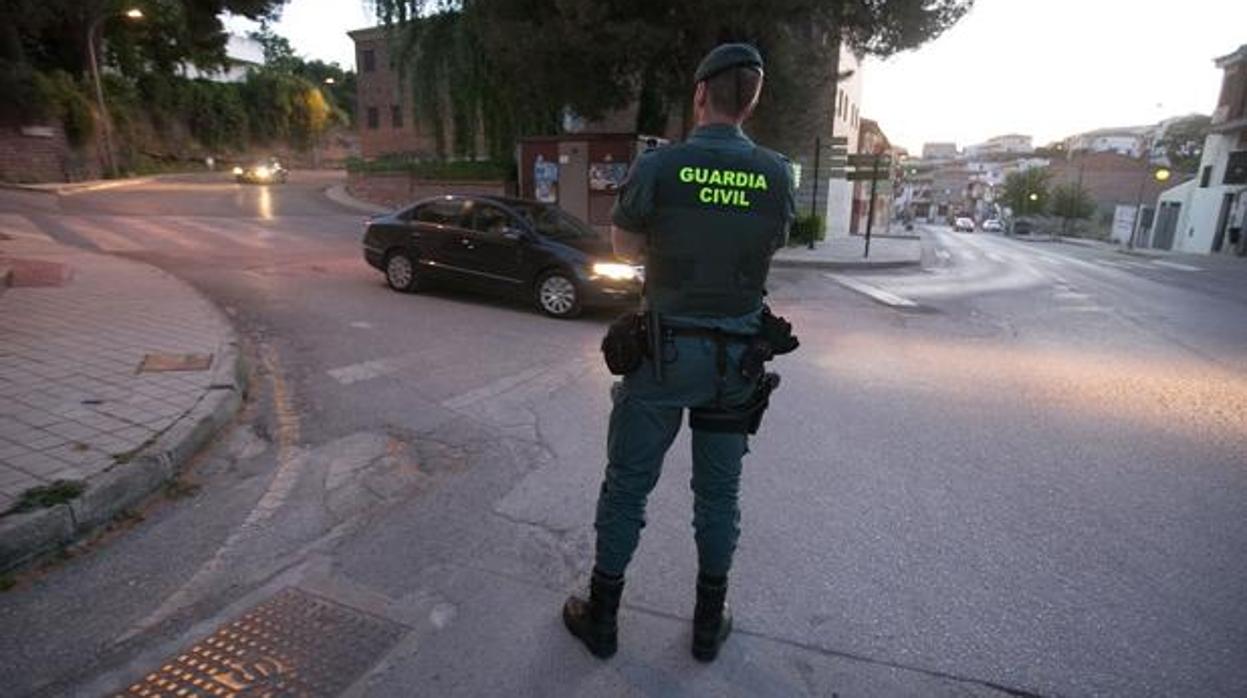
(964, 224)
(501, 245)
(267, 172)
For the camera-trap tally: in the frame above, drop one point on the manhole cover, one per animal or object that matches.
(153, 363)
(294, 644)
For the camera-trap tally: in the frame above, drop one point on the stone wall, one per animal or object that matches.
(395, 190)
(41, 154)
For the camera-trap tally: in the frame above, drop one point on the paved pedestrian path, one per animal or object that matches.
(85, 343)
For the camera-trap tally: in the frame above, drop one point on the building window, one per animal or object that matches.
(1236, 168)
(374, 119)
(1205, 177)
(396, 116)
(369, 60)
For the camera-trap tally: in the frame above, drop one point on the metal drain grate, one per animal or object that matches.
(293, 644)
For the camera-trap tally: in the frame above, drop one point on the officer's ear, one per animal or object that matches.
(700, 95)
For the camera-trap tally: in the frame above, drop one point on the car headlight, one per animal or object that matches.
(617, 271)
(262, 172)
(237, 170)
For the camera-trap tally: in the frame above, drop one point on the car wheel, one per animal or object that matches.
(400, 272)
(558, 295)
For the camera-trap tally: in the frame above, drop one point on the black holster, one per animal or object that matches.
(742, 419)
(625, 345)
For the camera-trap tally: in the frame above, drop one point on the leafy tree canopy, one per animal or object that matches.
(52, 34)
(1019, 188)
(1069, 200)
(1183, 142)
(528, 60)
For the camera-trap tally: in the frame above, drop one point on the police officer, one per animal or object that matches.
(705, 216)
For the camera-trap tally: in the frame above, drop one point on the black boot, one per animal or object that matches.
(593, 621)
(712, 620)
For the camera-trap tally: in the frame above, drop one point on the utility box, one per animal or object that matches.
(581, 172)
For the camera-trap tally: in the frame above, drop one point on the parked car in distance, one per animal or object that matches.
(1022, 226)
(992, 225)
(963, 224)
(504, 246)
(267, 171)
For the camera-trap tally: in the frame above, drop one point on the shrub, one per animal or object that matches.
(805, 229)
(67, 103)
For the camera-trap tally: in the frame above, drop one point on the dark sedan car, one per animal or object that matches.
(501, 245)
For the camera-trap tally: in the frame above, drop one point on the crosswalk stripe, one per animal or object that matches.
(20, 227)
(104, 239)
(1175, 265)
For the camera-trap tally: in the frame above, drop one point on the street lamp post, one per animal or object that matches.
(132, 13)
(1160, 174)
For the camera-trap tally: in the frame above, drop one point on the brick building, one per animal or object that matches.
(385, 111)
(1110, 178)
(871, 140)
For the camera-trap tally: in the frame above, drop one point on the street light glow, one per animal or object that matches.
(1162, 174)
(134, 13)
(329, 81)
(1034, 196)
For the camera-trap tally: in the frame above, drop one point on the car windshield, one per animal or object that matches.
(553, 222)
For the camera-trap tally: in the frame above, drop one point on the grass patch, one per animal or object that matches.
(180, 489)
(127, 456)
(45, 496)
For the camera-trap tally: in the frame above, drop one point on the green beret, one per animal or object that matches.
(725, 56)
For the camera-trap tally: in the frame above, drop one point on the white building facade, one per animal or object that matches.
(847, 120)
(242, 53)
(1208, 214)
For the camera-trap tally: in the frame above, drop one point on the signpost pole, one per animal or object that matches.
(814, 198)
(870, 204)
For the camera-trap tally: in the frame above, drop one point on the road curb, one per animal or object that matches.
(834, 265)
(58, 189)
(25, 537)
(338, 194)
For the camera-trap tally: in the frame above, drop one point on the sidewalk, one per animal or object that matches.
(112, 374)
(846, 253)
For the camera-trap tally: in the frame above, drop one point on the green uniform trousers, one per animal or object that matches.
(644, 421)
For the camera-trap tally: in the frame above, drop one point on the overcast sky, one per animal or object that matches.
(1046, 68)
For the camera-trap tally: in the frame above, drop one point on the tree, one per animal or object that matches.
(52, 34)
(1072, 201)
(1019, 188)
(525, 61)
(1183, 142)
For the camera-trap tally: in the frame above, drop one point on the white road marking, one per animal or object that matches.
(362, 325)
(995, 258)
(1070, 296)
(881, 295)
(943, 254)
(1175, 265)
(105, 240)
(365, 370)
(1088, 309)
(20, 227)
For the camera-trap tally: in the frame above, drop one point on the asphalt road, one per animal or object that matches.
(1029, 481)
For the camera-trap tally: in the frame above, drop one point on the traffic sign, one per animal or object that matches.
(869, 161)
